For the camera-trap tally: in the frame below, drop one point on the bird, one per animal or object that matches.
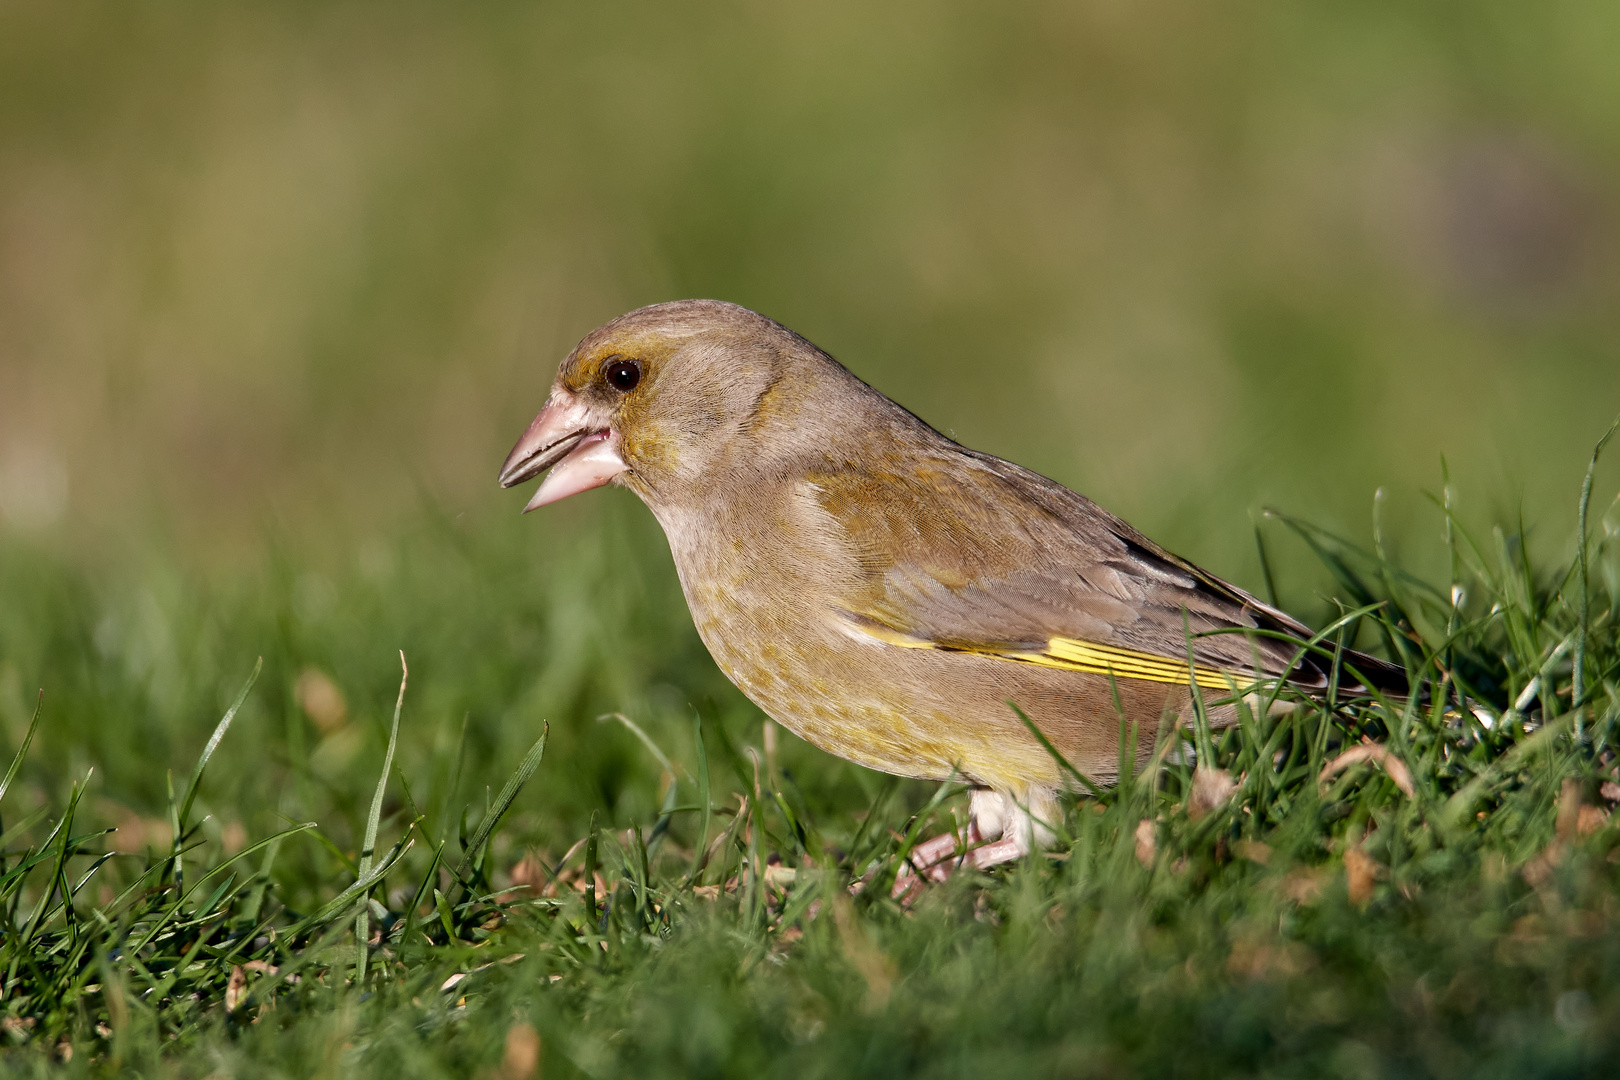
(890, 595)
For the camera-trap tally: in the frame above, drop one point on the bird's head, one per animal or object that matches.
(664, 399)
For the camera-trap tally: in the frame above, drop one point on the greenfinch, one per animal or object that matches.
(885, 592)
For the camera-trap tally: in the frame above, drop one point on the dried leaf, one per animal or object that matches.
(521, 1058)
(1304, 886)
(1569, 810)
(1541, 867)
(1362, 871)
(530, 873)
(321, 699)
(1253, 850)
(235, 988)
(1378, 754)
(1210, 790)
(1147, 842)
(1257, 960)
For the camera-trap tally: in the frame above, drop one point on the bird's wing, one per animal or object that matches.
(963, 551)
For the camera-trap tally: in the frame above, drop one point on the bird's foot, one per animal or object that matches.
(939, 857)
(935, 858)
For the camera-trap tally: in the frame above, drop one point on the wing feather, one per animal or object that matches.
(970, 553)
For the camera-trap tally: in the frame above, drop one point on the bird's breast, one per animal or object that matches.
(765, 600)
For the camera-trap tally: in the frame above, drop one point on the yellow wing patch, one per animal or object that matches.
(1097, 659)
(1071, 654)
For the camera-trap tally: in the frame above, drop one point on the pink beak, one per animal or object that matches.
(564, 439)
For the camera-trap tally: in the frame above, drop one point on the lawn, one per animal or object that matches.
(281, 283)
(564, 846)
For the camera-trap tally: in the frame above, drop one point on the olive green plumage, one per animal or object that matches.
(879, 589)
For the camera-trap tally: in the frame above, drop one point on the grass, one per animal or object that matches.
(565, 847)
(305, 263)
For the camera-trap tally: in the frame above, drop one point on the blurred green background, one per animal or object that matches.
(281, 283)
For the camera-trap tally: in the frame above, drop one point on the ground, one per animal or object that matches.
(592, 857)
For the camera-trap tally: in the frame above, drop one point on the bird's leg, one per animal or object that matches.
(935, 858)
(999, 830)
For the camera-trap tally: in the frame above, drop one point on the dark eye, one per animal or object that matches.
(622, 375)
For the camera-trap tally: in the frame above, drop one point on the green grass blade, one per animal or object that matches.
(503, 802)
(362, 926)
(179, 901)
(213, 744)
(701, 849)
(63, 828)
(1578, 690)
(22, 750)
(343, 901)
(1057, 756)
(646, 740)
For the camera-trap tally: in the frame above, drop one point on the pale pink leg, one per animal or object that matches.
(992, 814)
(933, 859)
(1007, 849)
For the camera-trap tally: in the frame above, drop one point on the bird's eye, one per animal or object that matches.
(622, 375)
